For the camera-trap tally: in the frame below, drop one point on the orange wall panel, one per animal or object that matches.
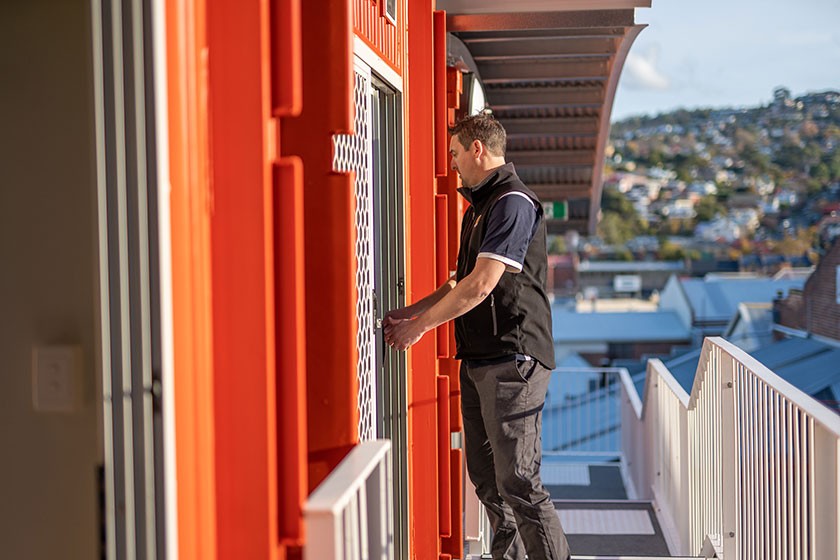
(420, 243)
(329, 234)
(190, 200)
(243, 283)
(284, 58)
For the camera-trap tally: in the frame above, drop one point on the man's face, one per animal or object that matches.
(462, 161)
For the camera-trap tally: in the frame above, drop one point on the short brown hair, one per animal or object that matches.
(484, 128)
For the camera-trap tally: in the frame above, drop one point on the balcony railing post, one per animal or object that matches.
(684, 521)
(826, 509)
(729, 451)
(349, 516)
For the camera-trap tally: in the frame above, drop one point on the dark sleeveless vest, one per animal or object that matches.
(516, 317)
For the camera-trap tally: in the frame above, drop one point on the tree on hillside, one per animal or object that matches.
(708, 207)
(615, 229)
(755, 159)
(614, 201)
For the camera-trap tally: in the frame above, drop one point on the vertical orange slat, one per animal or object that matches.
(420, 279)
(286, 93)
(440, 120)
(441, 266)
(454, 545)
(291, 351)
(285, 55)
(451, 368)
(329, 233)
(190, 198)
(455, 86)
(243, 236)
(444, 446)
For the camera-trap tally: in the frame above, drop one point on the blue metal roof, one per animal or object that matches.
(717, 299)
(790, 351)
(815, 373)
(807, 364)
(632, 326)
(631, 267)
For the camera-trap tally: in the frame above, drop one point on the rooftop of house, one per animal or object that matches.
(716, 297)
(811, 365)
(629, 326)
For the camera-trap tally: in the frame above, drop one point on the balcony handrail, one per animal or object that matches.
(349, 515)
(624, 376)
(820, 413)
(578, 434)
(746, 465)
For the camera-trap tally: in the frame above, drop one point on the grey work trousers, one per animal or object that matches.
(502, 408)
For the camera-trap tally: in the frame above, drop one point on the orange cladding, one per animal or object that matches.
(420, 257)
(264, 266)
(286, 84)
(329, 234)
(447, 188)
(384, 36)
(243, 282)
(190, 201)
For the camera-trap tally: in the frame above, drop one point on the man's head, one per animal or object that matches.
(477, 147)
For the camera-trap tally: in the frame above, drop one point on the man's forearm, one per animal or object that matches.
(419, 307)
(445, 304)
(455, 303)
(468, 293)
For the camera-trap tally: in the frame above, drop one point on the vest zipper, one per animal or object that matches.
(493, 313)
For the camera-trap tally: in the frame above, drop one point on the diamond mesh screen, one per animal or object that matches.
(353, 152)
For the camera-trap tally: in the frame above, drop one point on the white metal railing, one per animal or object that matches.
(477, 531)
(745, 466)
(349, 516)
(582, 412)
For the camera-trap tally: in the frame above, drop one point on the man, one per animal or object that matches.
(504, 341)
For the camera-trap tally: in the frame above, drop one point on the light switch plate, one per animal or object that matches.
(55, 378)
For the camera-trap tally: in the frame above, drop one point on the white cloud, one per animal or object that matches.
(640, 71)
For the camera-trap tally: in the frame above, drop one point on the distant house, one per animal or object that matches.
(751, 326)
(562, 274)
(600, 276)
(719, 229)
(679, 209)
(815, 309)
(706, 305)
(602, 337)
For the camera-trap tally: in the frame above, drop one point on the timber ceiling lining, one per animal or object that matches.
(549, 79)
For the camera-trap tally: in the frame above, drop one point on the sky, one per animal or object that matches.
(728, 53)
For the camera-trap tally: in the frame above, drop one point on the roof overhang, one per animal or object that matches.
(550, 72)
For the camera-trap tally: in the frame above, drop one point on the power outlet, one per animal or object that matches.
(55, 378)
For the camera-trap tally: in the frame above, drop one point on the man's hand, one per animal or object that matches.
(397, 315)
(402, 333)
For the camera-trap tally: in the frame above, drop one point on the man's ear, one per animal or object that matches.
(477, 148)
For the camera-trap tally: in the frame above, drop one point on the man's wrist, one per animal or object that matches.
(423, 323)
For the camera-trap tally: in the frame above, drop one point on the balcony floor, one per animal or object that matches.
(594, 509)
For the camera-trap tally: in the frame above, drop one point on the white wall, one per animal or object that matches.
(48, 491)
(673, 298)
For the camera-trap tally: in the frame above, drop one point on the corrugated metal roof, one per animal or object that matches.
(627, 267)
(806, 363)
(784, 352)
(813, 374)
(717, 299)
(628, 326)
(684, 368)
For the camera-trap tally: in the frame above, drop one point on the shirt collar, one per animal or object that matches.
(503, 170)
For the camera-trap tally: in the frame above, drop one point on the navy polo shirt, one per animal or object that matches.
(511, 225)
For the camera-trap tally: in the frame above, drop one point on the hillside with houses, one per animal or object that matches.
(739, 186)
